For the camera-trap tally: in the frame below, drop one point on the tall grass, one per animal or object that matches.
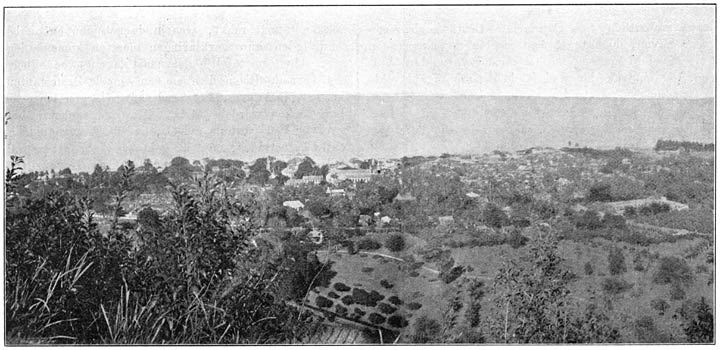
(35, 306)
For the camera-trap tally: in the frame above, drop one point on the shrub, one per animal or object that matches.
(341, 310)
(397, 321)
(395, 300)
(589, 220)
(614, 221)
(367, 269)
(323, 302)
(588, 268)
(333, 295)
(359, 312)
(427, 330)
(673, 270)
(677, 292)
(614, 285)
(516, 239)
(385, 284)
(341, 287)
(414, 306)
(369, 244)
(660, 305)
(638, 263)
(362, 297)
(347, 300)
(495, 217)
(395, 243)
(452, 274)
(600, 193)
(386, 308)
(616, 262)
(376, 318)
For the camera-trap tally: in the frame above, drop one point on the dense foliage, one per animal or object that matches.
(191, 277)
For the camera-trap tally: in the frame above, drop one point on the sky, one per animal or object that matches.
(591, 51)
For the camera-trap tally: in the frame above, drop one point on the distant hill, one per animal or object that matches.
(79, 132)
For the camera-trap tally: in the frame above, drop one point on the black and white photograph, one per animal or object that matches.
(362, 173)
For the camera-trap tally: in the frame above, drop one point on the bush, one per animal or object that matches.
(333, 295)
(395, 243)
(600, 193)
(397, 321)
(451, 275)
(395, 300)
(616, 262)
(386, 308)
(516, 239)
(359, 312)
(588, 268)
(673, 270)
(376, 318)
(660, 305)
(341, 287)
(677, 292)
(341, 310)
(369, 244)
(362, 297)
(385, 284)
(427, 330)
(495, 217)
(589, 220)
(614, 285)
(348, 300)
(323, 302)
(414, 306)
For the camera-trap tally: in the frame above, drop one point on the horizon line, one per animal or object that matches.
(359, 95)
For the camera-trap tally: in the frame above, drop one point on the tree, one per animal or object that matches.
(258, 172)
(395, 243)
(673, 270)
(65, 171)
(306, 167)
(532, 304)
(179, 162)
(148, 167)
(616, 262)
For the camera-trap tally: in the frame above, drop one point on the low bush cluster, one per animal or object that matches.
(369, 244)
(395, 243)
(362, 297)
(614, 285)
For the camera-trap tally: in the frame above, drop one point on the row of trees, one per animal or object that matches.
(671, 145)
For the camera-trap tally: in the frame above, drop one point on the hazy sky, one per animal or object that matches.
(623, 51)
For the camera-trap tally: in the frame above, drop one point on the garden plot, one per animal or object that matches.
(380, 291)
